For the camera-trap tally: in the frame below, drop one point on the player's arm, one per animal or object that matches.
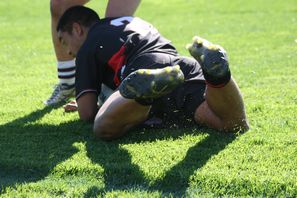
(87, 83)
(87, 106)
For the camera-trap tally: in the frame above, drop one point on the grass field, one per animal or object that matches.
(47, 153)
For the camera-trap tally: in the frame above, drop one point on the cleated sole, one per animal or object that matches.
(212, 58)
(201, 47)
(151, 83)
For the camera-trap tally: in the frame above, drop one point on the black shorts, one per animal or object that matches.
(181, 104)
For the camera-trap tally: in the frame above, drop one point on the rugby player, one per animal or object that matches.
(148, 75)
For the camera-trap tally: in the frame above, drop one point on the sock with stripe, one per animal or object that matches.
(66, 72)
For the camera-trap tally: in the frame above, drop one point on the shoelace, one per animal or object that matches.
(57, 88)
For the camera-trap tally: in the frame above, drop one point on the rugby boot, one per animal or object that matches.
(213, 60)
(151, 83)
(62, 92)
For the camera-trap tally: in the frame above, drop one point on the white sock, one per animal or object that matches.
(66, 72)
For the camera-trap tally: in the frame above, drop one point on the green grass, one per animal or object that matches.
(47, 153)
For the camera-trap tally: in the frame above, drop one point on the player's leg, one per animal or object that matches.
(116, 8)
(57, 8)
(117, 115)
(223, 108)
(130, 105)
(65, 62)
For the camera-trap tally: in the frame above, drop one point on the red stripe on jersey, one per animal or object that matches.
(116, 62)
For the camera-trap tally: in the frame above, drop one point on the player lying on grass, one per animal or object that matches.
(130, 56)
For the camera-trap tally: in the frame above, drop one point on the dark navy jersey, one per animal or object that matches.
(110, 44)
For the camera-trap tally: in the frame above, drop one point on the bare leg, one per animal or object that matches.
(117, 8)
(223, 108)
(65, 63)
(117, 115)
(57, 9)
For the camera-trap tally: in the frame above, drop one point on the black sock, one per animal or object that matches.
(217, 81)
(216, 69)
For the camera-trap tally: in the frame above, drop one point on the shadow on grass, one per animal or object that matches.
(29, 152)
(177, 179)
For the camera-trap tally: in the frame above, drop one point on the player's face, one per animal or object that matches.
(69, 43)
(72, 42)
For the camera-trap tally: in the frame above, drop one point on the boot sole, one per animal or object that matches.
(151, 83)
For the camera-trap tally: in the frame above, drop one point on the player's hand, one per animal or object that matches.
(70, 107)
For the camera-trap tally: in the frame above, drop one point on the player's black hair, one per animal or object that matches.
(79, 14)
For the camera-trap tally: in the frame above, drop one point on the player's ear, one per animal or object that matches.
(77, 29)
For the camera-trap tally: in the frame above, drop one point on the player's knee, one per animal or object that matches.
(244, 125)
(106, 131)
(241, 125)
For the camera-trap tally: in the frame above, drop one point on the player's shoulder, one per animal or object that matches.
(101, 29)
(119, 22)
